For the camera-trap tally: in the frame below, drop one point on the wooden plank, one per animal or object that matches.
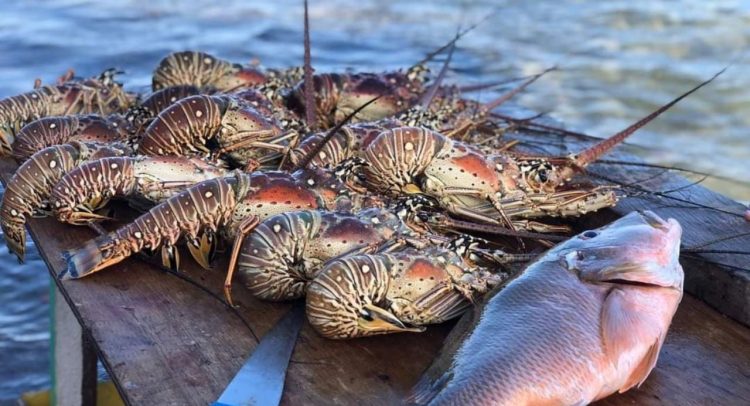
(165, 341)
(75, 358)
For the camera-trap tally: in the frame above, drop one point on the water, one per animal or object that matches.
(619, 60)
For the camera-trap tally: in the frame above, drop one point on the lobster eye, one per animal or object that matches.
(589, 234)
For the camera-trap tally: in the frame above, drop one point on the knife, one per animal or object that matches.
(260, 382)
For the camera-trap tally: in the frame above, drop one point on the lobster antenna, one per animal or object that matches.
(458, 36)
(532, 126)
(307, 158)
(432, 91)
(647, 192)
(518, 89)
(499, 230)
(596, 151)
(697, 247)
(488, 85)
(308, 71)
(671, 168)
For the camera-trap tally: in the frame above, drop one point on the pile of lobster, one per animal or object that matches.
(361, 192)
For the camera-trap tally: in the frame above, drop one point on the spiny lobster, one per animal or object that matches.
(28, 192)
(83, 191)
(100, 95)
(49, 131)
(502, 188)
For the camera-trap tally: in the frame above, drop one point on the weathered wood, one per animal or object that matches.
(74, 360)
(165, 341)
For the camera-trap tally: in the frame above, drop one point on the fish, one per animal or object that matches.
(585, 320)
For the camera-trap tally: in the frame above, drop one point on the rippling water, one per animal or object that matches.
(619, 60)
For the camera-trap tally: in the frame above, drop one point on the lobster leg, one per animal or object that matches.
(71, 106)
(378, 317)
(170, 257)
(495, 202)
(441, 303)
(203, 248)
(82, 218)
(538, 227)
(94, 100)
(251, 166)
(246, 226)
(67, 76)
(247, 140)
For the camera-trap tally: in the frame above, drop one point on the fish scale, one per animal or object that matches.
(582, 322)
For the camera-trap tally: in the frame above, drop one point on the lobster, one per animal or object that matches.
(49, 131)
(204, 71)
(30, 187)
(165, 97)
(185, 127)
(77, 197)
(284, 252)
(100, 95)
(447, 113)
(370, 294)
(501, 188)
(232, 205)
(338, 94)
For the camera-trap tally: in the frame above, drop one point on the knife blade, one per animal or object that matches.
(260, 382)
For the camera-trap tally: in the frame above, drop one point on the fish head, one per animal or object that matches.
(640, 248)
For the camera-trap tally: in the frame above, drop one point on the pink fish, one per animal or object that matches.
(584, 321)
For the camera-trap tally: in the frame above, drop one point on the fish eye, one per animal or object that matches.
(589, 234)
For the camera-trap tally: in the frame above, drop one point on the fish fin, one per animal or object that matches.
(640, 373)
(626, 325)
(427, 389)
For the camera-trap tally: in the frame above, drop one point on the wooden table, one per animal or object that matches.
(165, 340)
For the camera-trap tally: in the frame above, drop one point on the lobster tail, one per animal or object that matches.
(87, 188)
(95, 255)
(15, 238)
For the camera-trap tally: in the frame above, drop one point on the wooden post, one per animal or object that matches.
(74, 357)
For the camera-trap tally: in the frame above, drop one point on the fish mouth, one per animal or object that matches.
(670, 226)
(672, 237)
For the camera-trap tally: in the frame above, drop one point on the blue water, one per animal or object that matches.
(618, 59)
